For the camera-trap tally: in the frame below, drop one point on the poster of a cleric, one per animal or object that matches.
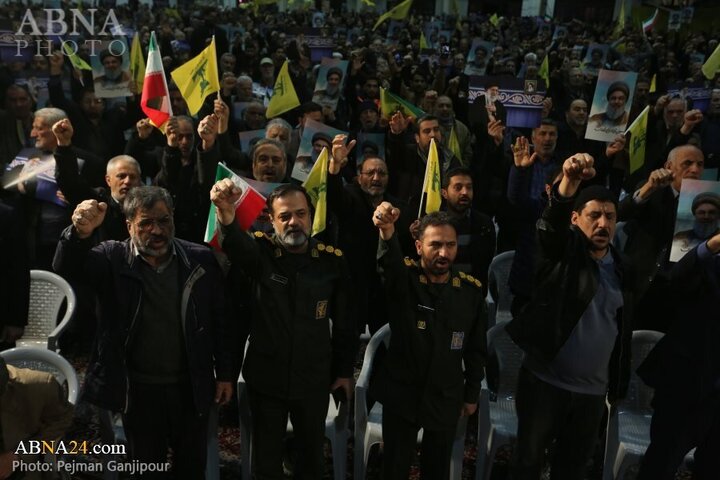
(696, 94)
(329, 83)
(316, 136)
(611, 105)
(111, 69)
(519, 103)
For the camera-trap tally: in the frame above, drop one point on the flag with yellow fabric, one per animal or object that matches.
(77, 62)
(137, 63)
(454, 144)
(638, 140)
(544, 71)
(620, 26)
(391, 103)
(653, 84)
(284, 96)
(198, 77)
(423, 42)
(494, 20)
(431, 184)
(316, 186)
(712, 65)
(399, 12)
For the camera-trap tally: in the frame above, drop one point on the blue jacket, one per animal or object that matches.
(113, 271)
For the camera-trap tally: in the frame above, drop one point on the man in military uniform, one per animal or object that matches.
(293, 361)
(438, 320)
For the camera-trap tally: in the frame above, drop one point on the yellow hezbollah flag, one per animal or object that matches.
(544, 71)
(620, 27)
(638, 140)
(197, 78)
(399, 12)
(77, 62)
(137, 63)
(431, 185)
(653, 84)
(316, 186)
(391, 103)
(454, 144)
(712, 65)
(494, 20)
(284, 97)
(423, 42)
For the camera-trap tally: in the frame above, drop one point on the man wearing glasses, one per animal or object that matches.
(160, 355)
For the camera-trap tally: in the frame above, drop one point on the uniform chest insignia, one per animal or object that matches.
(421, 325)
(258, 234)
(456, 282)
(456, 342)
(423, 279)
(315, 253)
(279, 279)
(321, 309)
(278, 253)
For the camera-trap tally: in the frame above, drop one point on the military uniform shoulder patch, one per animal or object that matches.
(409, 262)
(262, 235)
(329, 249)
(470, 279)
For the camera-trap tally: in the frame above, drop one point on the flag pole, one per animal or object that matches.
(423, 194)
(217, 72)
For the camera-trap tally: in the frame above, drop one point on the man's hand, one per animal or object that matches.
(144, 128)
(521, 153)
(692, 118)
(658, 179)
(340, 152)
(577, 168)
(223, 392)
(661, 104)
(496, 130)
(224, 195)
(6, 464)
(63, 131)
(384, 218)
(208, 130)
(88, 215)
(172, 131)
(222, 112)
(328, 113)
(616, 146)
(398, 123)
(57, 60)
(468, 409)
(344, 383)
(714, 244)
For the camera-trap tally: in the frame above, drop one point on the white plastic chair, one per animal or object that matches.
(628, 431)
(336, 430)
(45, 361)
(497, 419)
(368, 424)
(47, 292)
(499, 297)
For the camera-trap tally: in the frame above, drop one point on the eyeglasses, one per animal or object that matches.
(372, 173)
(146, 224)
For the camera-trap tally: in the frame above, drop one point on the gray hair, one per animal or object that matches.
(280, 123)
(145, 198)
(50, 116)
(113, 163)
(244, 78)
(687, 146)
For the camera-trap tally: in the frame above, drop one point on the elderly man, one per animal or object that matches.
(293, 360)
(650, 215)
(160, 355)
(456, 135)
(575, 330)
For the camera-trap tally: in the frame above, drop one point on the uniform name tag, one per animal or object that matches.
(456, 343)
(421, 325)
(321, 309)
(279, 279)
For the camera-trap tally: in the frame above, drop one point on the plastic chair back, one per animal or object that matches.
(499, 297)
(48, 291)
(45, 361)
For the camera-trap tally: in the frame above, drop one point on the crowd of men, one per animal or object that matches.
(165, 319)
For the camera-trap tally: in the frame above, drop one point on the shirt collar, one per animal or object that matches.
(136, 253)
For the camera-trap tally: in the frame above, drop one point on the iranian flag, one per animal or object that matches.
(247, 209)
(155, 100)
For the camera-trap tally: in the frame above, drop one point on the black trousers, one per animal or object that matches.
(679, 425)
(399, 440)
(269, 424)
(161, 417)
(546, 413)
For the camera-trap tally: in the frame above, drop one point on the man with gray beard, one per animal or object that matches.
(160, 355)
(294, 359)
(615, 114)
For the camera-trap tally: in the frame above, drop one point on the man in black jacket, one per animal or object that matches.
(160, 354)
(575, 331)
(437, 351)
(684, 370)
(293, 360)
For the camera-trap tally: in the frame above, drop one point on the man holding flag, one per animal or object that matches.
(292, 362)
(407, 164)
